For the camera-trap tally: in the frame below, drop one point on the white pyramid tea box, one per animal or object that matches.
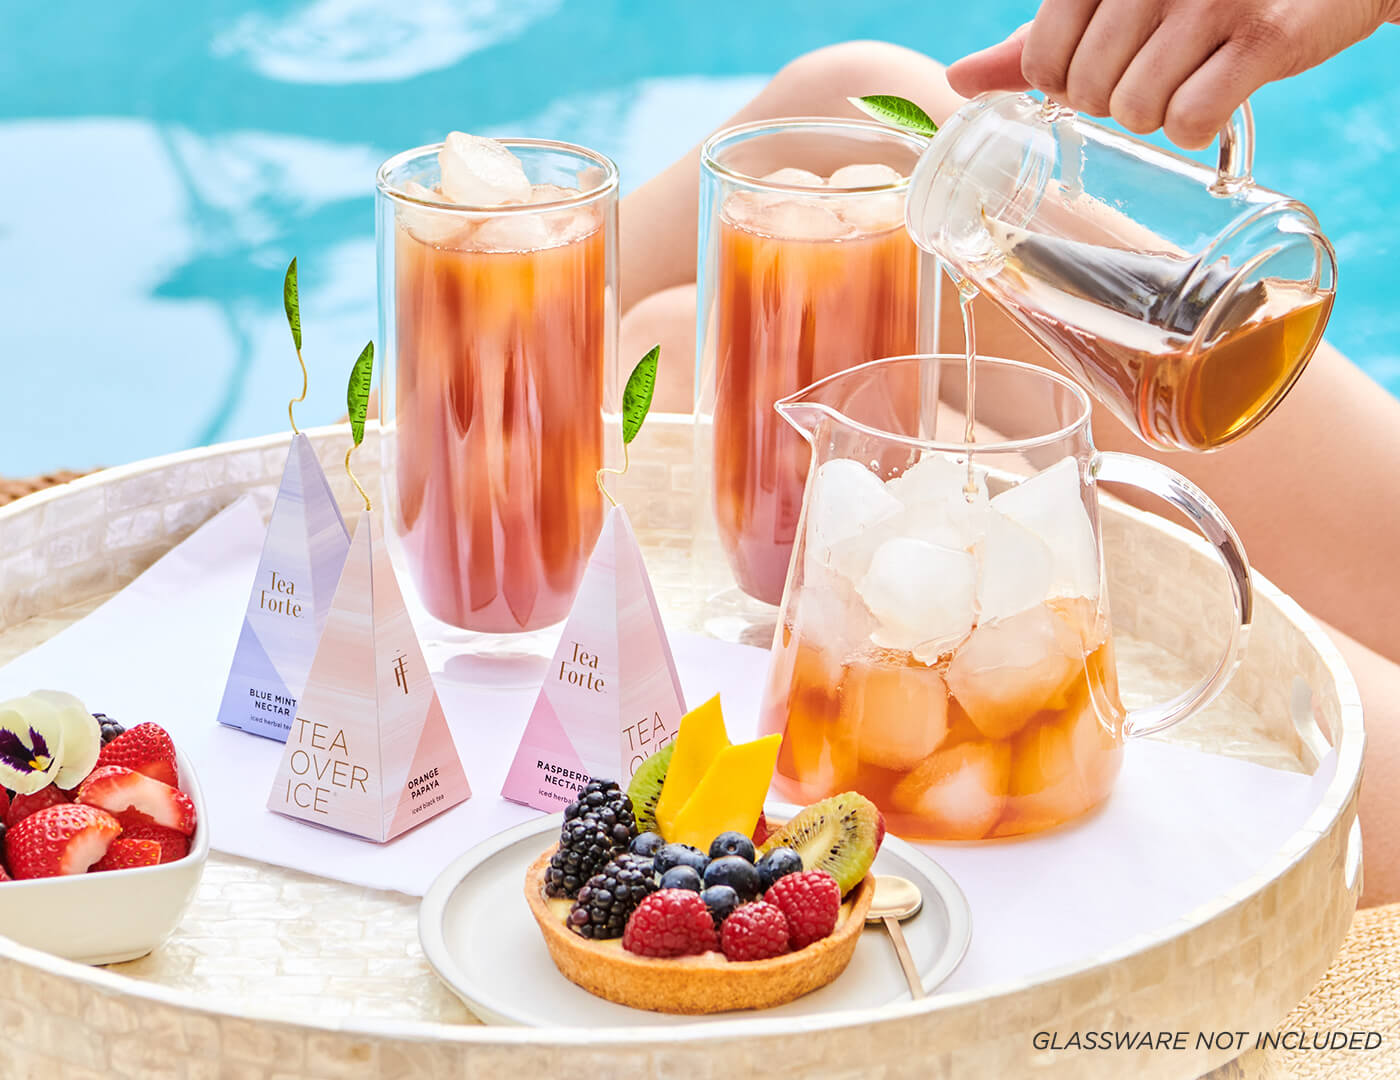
(297, 573)
(369, 751)
(300, 564)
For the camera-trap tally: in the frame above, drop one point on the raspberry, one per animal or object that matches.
(672, 922)
(756, 931)
(810, 901)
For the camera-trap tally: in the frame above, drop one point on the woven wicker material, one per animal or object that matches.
(1360, 992)
(10, 490)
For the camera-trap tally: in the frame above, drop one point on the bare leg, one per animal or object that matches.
(1379, 682)
(815, 84)
(1313, 492)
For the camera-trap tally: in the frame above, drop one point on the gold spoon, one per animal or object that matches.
(897, 899)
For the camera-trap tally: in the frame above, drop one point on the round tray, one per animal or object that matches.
(275, 973)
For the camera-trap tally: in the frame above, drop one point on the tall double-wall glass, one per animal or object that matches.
(499, 327)
(805, 270)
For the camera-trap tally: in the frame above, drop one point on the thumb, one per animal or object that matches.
(996, 68)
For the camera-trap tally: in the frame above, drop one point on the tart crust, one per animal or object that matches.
(696, 984)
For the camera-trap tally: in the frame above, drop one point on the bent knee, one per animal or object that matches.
(875, 65)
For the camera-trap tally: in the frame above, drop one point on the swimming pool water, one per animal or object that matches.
(160, 163)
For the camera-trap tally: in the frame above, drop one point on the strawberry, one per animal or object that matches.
(146, 749)
(64, 839)
(4, 802)
(126, 854)
(757, 931)
(760, 830)
(118, 790)
(173, 845)
(21, 806)
(672, 922)
(810, 901)
(4, 876)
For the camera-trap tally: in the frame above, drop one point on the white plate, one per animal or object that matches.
(481, 939)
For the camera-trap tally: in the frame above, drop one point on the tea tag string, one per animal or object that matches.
(292, 306)
(357, 406)
(636, 403)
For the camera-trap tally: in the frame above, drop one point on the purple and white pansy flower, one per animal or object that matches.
(31, 744)
(82, 737)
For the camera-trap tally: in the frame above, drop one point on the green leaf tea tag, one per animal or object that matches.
(636, 396)
(897, 112)
(357, 394)
(291, 303)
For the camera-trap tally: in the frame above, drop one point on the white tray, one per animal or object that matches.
(275, 973)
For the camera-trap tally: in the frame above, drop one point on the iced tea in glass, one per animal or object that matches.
(501, 326)
(806, 269)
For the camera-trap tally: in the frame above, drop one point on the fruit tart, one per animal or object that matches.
(678, 896)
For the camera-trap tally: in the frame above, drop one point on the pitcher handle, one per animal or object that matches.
(1236, 164)
(1165, 483)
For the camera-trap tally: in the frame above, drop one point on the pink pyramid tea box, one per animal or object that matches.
(611, 696)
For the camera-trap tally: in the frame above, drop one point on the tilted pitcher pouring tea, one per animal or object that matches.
(1186, 299)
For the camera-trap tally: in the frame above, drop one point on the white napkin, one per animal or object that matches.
(1181, 827)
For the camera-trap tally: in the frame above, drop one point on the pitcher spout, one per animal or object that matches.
(803, 414)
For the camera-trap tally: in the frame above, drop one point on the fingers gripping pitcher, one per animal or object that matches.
(1187, 299)
(944, 645)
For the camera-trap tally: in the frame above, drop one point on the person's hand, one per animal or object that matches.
(1181, 65)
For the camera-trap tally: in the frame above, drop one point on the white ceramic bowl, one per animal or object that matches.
(112, 916)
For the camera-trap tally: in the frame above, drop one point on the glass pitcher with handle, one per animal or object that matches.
(944, 644)
(1187, 299)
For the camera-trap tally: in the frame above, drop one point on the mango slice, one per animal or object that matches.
(698, 742)
(730, 797)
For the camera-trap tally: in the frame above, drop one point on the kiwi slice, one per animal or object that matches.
(839, 835)
(645, 788)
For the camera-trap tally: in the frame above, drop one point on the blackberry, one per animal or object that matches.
(608, 899)
(597, 826)
(110, 728)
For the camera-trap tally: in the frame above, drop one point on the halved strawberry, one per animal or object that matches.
(173, 845)
(146, 749)
(117, 790)
(127, 854)
(21, 806)
(60, 840)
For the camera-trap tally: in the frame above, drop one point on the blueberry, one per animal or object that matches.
(732, 843)
(738, 873)
(722, 901)
(669, 855)
(646, 844)
(780, 862)
(681, 877)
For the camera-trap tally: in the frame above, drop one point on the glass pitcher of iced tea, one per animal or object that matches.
(944, 644)
(1187, 299)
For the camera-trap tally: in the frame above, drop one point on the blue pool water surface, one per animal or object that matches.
(161, 162)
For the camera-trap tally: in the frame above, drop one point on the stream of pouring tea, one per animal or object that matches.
(967, 292)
